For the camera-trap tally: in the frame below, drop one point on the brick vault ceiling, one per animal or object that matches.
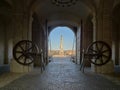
(78, 10)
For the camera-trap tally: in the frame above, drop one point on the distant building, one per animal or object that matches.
(65, 52)
(61, 51)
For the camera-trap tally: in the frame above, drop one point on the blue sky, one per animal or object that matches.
(68, 38)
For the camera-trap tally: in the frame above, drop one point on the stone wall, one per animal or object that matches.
(116, 34)
(2, 43)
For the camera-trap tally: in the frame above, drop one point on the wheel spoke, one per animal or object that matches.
(31, 58)
(105, 51)
(30, 48)
(21, 47)
(101, 47)
(25, 60)
(20, 56)
(97, 46)
(19, 52)
(93, 50)
(105, 56)
(101, 60)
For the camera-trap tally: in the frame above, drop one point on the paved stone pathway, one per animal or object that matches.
(61, 74)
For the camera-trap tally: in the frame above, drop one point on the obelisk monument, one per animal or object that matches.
(61, 52)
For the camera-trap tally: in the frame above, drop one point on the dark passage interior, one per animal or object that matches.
(25, 26)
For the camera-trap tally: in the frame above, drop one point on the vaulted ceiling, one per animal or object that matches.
(59, 14)
(54, 13)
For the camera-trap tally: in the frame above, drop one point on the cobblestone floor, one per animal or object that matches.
(61, 74)
(8, 77)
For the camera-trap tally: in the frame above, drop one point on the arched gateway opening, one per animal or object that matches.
(61, 42)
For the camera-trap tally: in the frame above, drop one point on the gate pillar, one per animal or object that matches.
(102, 22)
(21, 31)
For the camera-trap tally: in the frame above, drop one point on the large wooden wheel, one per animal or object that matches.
(25, 51)
(99, 53)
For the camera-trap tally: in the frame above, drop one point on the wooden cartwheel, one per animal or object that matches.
(25, 51)
(98, 52)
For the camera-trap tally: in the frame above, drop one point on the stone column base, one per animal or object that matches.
(107, 68)
(18, 68)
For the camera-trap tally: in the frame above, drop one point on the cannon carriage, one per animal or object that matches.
(25, 52)
(98, 53)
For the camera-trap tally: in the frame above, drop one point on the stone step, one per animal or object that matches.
(4, 68)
